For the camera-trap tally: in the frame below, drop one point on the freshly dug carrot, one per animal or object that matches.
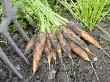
(74, 26)
(70, 35)
(30, 44)
(54, 55)
(64, 45)
(56, 45)
(75, 48)
(39, 47)
(48, 49)
(83, 34)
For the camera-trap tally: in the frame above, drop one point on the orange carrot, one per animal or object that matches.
(69, 34)
(55, 43)
(54, 55)
(48, 49)
(39, 47)
(75, 48)
(64, 45)
(83, 34)
(56, 46)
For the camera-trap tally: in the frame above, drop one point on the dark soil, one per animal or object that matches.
(80, 72)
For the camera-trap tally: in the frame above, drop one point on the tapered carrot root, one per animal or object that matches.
(55, 43)
(30, 44)
(48, 49)
(70, 35)
(54, 55)
(39, 47)
(83, 34)
(56, 46)
(75, 48)
(64, 45)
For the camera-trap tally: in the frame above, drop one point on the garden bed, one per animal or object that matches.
(82, 72)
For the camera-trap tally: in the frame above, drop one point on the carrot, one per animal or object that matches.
(54, 54)
(48, 50)
(75, 48)
(70, 35)
(30, 44)
(56, 46)
(83, 34)
(39, 47)
(65, 47)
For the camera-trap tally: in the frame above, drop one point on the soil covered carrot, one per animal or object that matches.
(70, 35)
(39, 47)
(75, 48)
(62, 42)
(48, 49)
(54, 55)
(64, 45)
(74, 26)
(57, 48)
(56, 45)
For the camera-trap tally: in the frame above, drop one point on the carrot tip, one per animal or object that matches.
(87, 59)
(33, 74)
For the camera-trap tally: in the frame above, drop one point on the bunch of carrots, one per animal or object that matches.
(65, 40)
(56, 35)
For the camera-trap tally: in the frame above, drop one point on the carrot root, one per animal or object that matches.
(65, 47)
(75, 27)
(54, 55)
(70, 35)
(75, 48)
(94, 70)
(40, 43)
(48, 49)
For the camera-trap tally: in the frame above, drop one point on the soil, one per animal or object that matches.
(82, 71)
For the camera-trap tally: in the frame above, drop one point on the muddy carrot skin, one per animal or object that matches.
(54, 55)
(70, 35)
(57, 47)
(39, 47)
(75, 48)
(55, 43)
(75, 27)
(63, 42)
(48, 49)
(64, 45)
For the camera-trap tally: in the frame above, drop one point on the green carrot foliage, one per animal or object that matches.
(89, 12)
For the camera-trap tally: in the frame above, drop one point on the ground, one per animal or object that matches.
(82, 71)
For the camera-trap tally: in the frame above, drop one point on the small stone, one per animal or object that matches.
(95, 59)
(18, 67)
